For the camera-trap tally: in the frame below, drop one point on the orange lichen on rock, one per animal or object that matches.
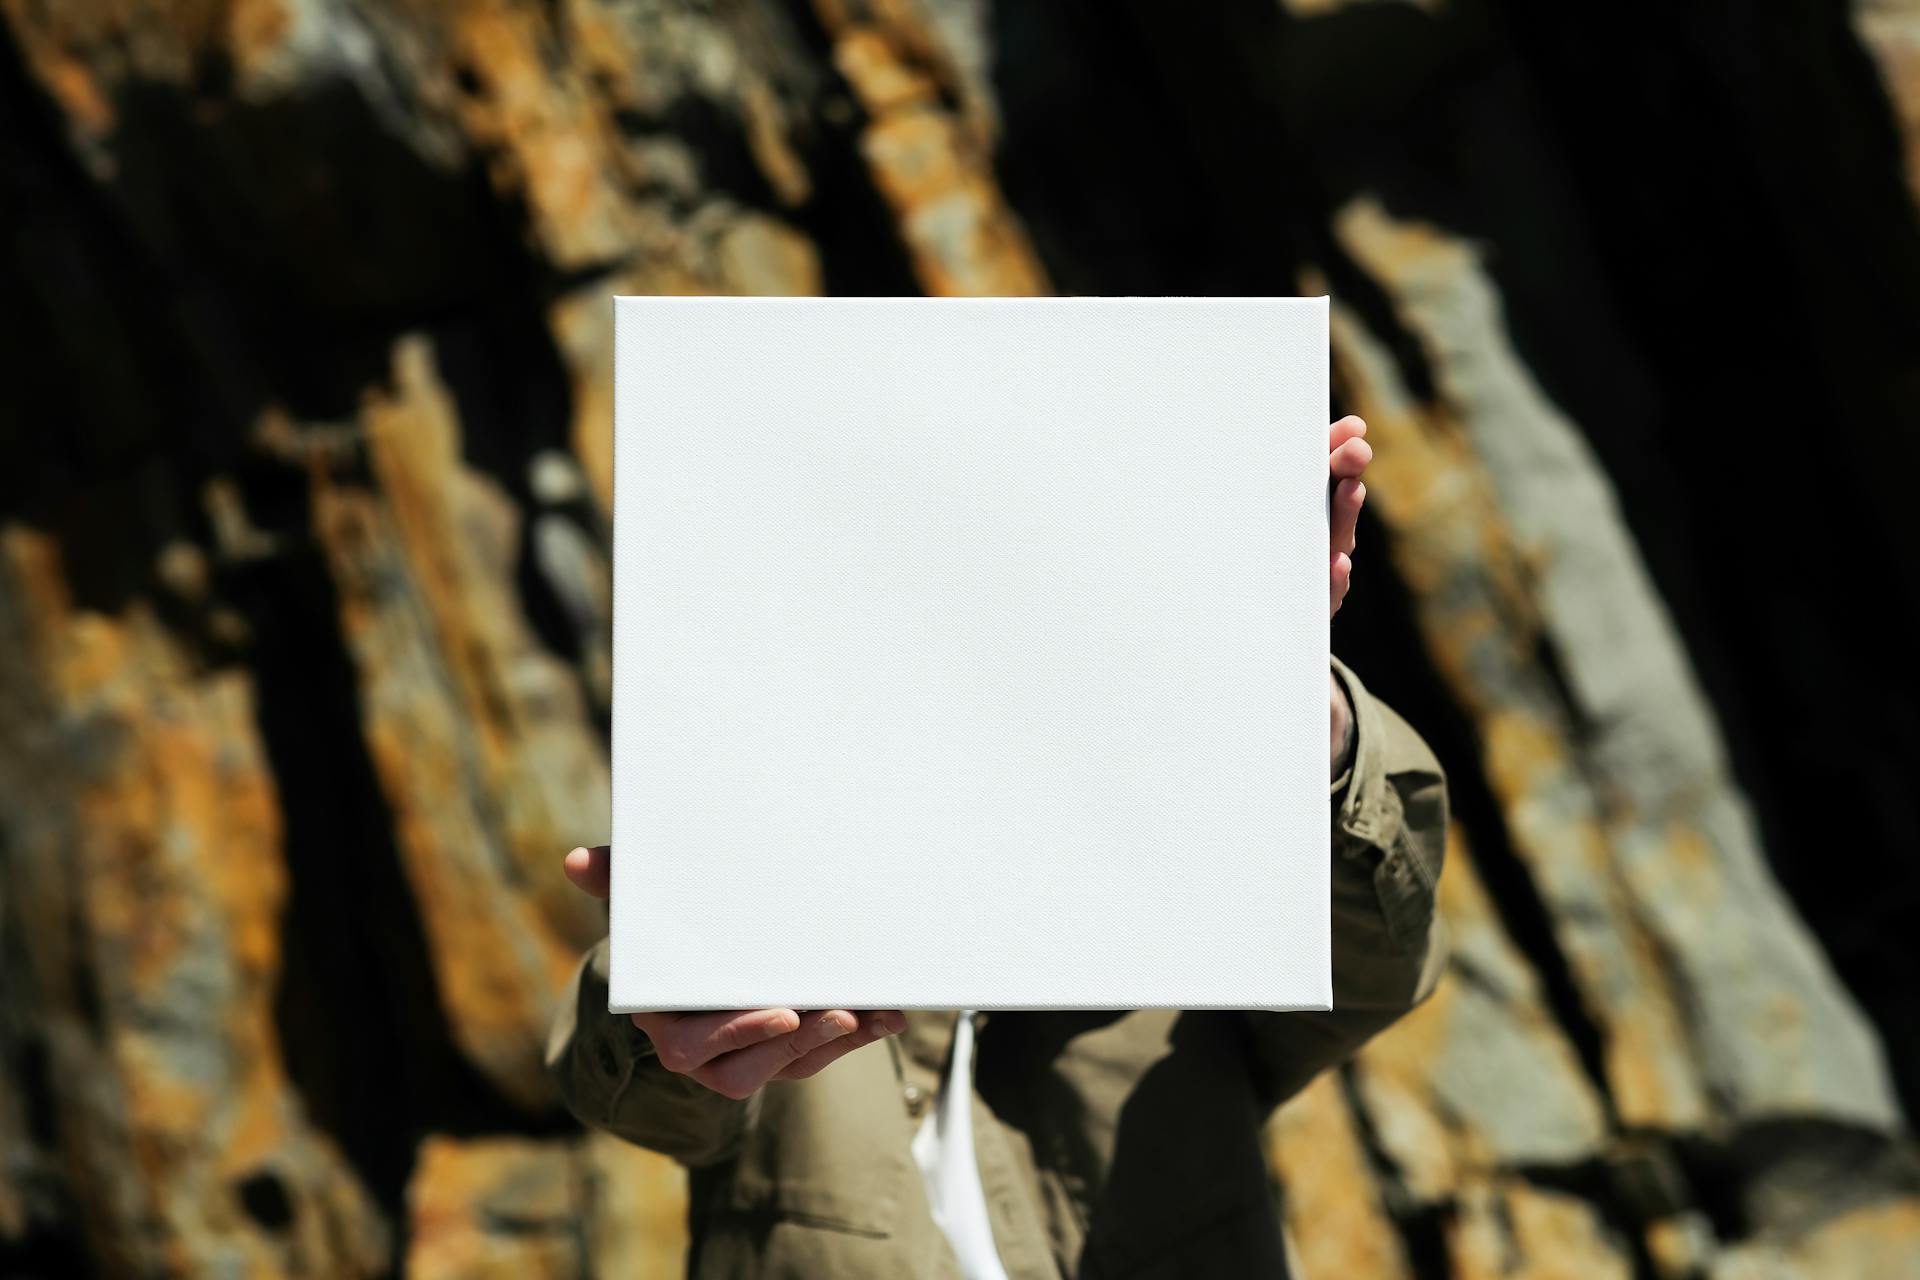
(478, 736)
(512, 1207)
(547, 135)
(464, 1192)
(1335, 1221)
(1514, 1231)
(162, 855)
(929, 163)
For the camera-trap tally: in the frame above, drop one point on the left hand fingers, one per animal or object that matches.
(1348, 454)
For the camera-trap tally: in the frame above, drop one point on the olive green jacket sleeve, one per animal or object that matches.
(610, 1079)
(1389, 813)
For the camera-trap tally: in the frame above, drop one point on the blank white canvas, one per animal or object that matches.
(970, 653)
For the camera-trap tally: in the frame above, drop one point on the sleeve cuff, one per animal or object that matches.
(1364, 805)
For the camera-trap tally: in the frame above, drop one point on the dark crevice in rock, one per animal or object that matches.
(1356, 291)
(1646, 1180)
(715, 135)
(1216, 79)
(1791, 1174)
(358, 1011)
(51, 1239)
(152, 320)
(1581, 728)
(264, 1197)
(29, 1073)
(1422, 1233)
(1597, 1185)
(515, 401)
(1096, 161)
(96, 367)
(1716, 1187)
(47, 1252)
(852, 229)
(1127, 132)
(1741, 185)
(368, 237)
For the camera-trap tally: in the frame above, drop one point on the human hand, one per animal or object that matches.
(1348, 454)
(735, 1051)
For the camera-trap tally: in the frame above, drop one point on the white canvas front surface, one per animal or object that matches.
(970, 654)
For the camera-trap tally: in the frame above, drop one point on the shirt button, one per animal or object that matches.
(916, 1098)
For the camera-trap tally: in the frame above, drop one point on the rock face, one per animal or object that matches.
(305, 479)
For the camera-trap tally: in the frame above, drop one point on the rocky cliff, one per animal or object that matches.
(304, 498)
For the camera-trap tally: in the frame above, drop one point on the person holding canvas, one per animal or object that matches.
(1026, 1145)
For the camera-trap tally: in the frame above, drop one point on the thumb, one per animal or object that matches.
(591, 869)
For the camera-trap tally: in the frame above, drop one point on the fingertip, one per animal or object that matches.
(590, 869)
(1351, 458)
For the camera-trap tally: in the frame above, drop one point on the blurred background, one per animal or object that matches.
(305, 401)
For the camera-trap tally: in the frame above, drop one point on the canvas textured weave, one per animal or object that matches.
(970, 653)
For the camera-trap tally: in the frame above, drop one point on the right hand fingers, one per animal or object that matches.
(875, 1025)
(686, 1042)
(740, 1073)
(735, 1052)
